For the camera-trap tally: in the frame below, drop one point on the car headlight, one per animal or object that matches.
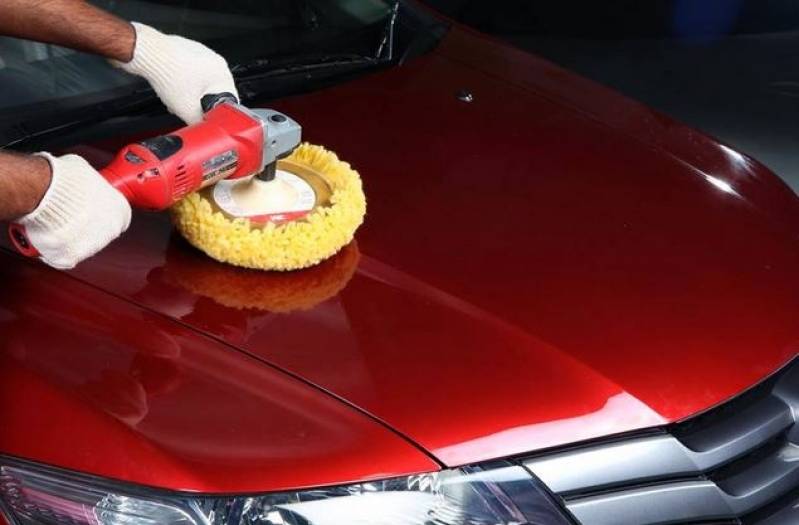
(502, 494)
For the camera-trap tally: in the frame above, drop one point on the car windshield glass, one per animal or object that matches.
(37, 77)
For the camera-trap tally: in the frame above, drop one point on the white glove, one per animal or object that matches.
(181, 71)
(78, 216)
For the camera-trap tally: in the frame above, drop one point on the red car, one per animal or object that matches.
(563, 307)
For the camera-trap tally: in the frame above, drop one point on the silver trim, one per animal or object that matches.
(673, 503)
(642, 459)
(729, 463)
(280, 138)
(612, 464)
(694, 500)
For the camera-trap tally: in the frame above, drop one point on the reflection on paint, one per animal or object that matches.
(620, 411)
(721, 184)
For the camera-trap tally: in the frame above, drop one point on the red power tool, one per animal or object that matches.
(231, 142)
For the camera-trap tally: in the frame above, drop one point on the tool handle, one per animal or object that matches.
(155, 173)
(20, 241)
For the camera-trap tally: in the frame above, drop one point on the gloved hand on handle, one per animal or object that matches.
(181, 71)
(80, 212)
(78, 216)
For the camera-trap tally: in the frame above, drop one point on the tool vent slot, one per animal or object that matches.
(737, 463)
(182, 183)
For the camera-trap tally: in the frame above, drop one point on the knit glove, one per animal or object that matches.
(78, 216)
(181, 71)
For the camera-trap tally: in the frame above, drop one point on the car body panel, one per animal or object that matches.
(94, 384)
(547, 264)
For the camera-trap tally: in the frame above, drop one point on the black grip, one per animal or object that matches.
(209, 102)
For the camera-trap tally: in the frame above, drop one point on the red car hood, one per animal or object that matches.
(547, 264)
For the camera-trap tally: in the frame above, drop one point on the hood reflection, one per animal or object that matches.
(241, 288)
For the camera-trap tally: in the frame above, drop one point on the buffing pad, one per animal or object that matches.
(242, 225)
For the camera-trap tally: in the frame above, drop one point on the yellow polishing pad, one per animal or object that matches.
(304, 239)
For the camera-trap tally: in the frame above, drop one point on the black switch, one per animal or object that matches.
(164, 146)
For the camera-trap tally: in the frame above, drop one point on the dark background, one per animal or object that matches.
(727, 67)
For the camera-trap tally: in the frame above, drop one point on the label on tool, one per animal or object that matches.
(220, 167)
(302, 204)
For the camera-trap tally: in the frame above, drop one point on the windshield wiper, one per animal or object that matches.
(273, 78)
(255, 79)
(18, 132)
(387, 39)
(307, 63)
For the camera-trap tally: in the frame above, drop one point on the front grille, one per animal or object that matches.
(735, 464)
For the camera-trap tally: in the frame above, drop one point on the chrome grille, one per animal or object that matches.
(736, 464)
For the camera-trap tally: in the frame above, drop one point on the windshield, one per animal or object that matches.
(35, 77)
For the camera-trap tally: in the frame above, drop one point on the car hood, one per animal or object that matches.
(547, 264)
(97, 385)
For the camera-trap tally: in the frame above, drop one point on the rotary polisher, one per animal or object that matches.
(233, 153)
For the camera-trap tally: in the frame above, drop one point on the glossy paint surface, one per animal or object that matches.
(94, 384)
(547, 264)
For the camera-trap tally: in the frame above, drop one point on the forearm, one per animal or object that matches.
(70, 23)
(24, 180)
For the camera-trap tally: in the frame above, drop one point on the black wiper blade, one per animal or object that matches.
(386, 46)
(277, 66)
(17, 132)
(267, 79)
